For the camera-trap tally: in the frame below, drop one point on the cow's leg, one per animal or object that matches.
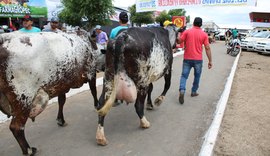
(139, 106)
(17, 127)
(100, 135)
(60, 117)
(149, 104)
(93, 88)
(167, 85)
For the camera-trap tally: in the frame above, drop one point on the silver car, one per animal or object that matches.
(249, 42)
(263, 46)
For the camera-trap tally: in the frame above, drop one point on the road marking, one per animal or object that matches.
(211, 135)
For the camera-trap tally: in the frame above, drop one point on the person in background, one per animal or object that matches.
(194, 40)
(234, 33)
(102, 37)
(228, 35)
(27, 25)
(53, 26)
(166, 23)
(123, 20)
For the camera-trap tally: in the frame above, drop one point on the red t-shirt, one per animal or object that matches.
(194, 39)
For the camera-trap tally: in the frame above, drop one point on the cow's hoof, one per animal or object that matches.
(61, 122)
(100, 136)
(159, 100)
(149, 107)
(102, 142)
(145, 123)
(31, 151)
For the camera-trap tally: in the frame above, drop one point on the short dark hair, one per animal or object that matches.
(197, 22)
(123, 17)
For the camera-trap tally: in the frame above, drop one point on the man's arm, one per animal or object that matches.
(209, 55)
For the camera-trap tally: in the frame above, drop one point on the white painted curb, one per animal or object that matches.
(211, 135)
(85, 87)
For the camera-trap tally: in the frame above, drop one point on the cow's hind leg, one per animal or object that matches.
(149, 104)
(100, 135)
(167, 85)
(93, 88)
(17, 127)
(60, 117)
(139, 106)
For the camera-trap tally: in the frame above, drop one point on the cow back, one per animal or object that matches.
(52, 61)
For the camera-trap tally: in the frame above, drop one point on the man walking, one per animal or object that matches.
(123, 20)
(194, 39)
(102, 37)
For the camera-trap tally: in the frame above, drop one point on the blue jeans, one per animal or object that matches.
(187, 65)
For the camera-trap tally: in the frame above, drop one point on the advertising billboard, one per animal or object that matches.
(153, 5)
(179, 21)
(18, 8)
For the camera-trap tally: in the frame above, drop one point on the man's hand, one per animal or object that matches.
(209, 65)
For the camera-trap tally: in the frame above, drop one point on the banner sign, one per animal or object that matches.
(18, 8)
(179, 21)
(153, 5)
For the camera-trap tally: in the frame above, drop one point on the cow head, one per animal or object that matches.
(173, 33)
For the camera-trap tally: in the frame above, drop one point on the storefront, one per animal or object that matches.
(260, 19)
(12, 11)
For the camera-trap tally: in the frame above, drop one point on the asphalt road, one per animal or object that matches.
(176, 130)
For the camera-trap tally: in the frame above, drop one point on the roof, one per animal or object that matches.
(227, 26)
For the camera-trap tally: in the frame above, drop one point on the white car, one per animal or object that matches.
(249, 42)
(263, 46)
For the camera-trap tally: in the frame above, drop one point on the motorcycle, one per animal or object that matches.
(234, 47)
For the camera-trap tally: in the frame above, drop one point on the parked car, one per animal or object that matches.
(263, 46)
(249, 42)
(221, 34)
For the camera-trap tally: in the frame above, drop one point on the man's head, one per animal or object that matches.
(197, 22)
(54, 22)
(27, 22)
(123, 17)
(98, 28)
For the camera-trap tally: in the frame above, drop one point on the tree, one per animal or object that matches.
(163, 16)
(93, 12)
(141, 17)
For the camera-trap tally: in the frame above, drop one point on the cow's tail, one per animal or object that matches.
(118, 54)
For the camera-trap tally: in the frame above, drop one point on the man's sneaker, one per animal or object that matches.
(181, 98)
(194, 94)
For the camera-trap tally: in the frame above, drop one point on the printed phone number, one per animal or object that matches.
(223, 1)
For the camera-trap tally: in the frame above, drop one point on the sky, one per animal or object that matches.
(223, 15)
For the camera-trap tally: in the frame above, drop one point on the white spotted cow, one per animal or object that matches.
(36, 67)
(138, 57)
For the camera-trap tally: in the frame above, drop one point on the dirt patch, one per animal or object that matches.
(245, 129)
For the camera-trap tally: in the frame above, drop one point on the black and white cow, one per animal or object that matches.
(138, 57)
(37, 67)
